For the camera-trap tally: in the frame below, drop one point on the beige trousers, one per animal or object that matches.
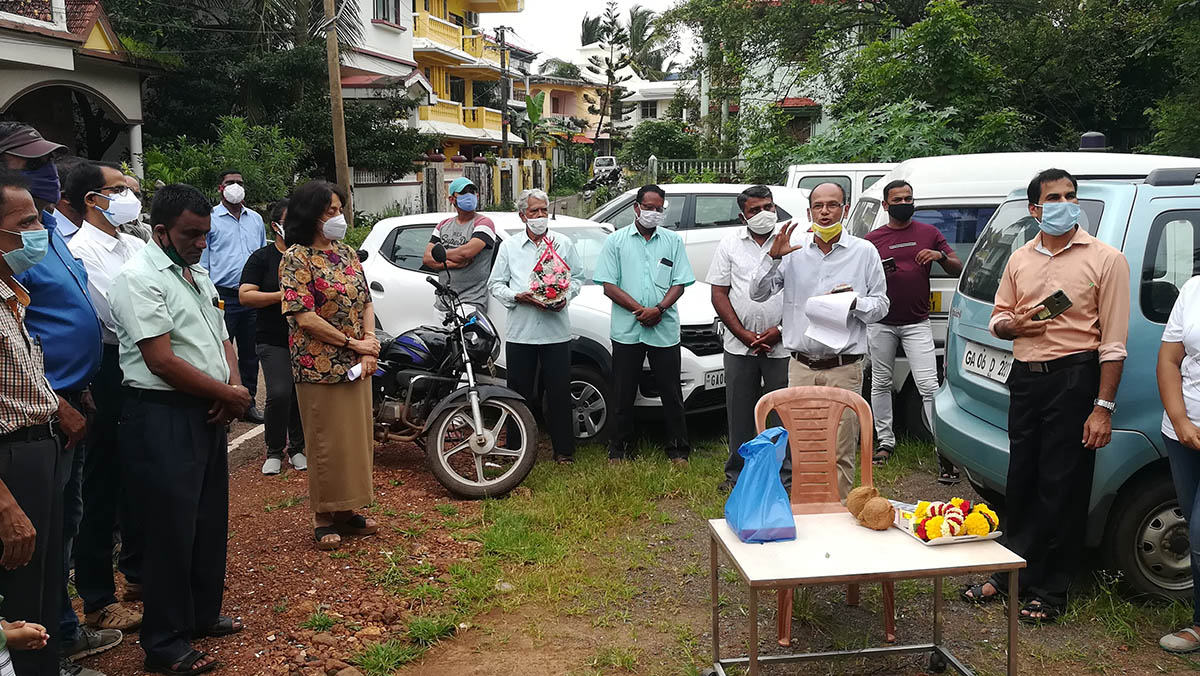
(848, 377)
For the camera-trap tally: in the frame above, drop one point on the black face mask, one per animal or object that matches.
(901, 212)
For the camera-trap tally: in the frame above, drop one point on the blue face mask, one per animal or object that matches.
(34, 245)
(467, 201)
(43, 183)
(1058, 217)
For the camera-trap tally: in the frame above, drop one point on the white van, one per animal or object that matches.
(958, 194)
(855, 178)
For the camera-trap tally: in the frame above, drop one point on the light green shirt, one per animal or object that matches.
(646, 270)
(511, 275)
(150, 298)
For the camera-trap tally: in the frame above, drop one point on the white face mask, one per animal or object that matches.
(122, 208)
(278, 230)
(651, 219)
(234, 193)
(763, 222)
(538, 226)
(335, 228)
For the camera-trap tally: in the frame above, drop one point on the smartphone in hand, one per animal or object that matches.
(889, 265)
(1054, 305)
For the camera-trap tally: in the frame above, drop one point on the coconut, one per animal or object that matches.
(858, 497)
(877, 514)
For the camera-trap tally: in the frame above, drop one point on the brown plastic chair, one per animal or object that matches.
(811, 416)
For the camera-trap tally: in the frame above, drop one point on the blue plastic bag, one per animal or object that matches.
(758, 508)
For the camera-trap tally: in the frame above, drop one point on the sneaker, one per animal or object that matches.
(114, 616)
(299, 462)
(92, 642)
(272, 466)
(68, 668)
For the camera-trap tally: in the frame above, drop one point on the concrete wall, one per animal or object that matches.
(374, 199)
(116, 88)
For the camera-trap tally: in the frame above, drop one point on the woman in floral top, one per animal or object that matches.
(331, 320)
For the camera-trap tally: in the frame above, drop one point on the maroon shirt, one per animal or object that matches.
(908, 286)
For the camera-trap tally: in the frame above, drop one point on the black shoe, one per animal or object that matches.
(882, 454)
(253, 415)
(726, 485)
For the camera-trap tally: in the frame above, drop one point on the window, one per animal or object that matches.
(1171, 259)
(458, 89)
(1009, 230)
(649, 110)
(556, 105)
(810, 182)
(407, 247)
(959, 225)
(624, 216)
(722, 211)
(862, 218)
(869, 181)
(391, 11)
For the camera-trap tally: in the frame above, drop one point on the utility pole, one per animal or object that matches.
(504, 93)
(341, 158)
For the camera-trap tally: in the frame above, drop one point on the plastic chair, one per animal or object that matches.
(811, 416)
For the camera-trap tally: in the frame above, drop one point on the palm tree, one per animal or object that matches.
(589, 30)
(646, 44)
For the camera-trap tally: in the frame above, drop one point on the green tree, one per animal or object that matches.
(589, 30)
(665, 139)
(555, 67)
(610, 99)
(647, 56)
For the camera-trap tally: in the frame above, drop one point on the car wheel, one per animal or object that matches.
(1147, 539)
(913, 410)
(591, 403)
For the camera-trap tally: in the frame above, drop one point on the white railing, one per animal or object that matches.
(722, 167)
(371, 177)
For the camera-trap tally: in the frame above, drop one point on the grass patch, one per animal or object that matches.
(1121, 617)
(390, 575)
(425, 593)
(426, 631)
(284, 503)
(424, 570)
(911, 457)
(614, 657)
(383, 659)
(318, 621)
(447, 510)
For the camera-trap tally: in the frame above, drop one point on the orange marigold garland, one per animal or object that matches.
(933, 520)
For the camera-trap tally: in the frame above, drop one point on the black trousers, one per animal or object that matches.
(1049, 476)
(283, 426)
(33, 473)
(553, 362)
(747, 379)
(242, 324)
(179, 473)
(107, 500)
(627, 374)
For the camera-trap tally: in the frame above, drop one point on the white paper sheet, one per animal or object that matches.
(829, 319)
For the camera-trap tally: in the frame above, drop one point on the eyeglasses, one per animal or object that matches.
(112, 190)
(826, 206)
(644, 207)
(233, 181)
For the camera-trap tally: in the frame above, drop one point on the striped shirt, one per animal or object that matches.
(26, 398)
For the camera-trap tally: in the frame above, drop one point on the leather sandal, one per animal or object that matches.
(114, 616)
(224, 626)
(184, 666)
(322, 532)
(355, 525)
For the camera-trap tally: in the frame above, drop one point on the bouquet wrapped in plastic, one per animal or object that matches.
(551, 277)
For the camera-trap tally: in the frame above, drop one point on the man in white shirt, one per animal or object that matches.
(105, 202)
(755, 358)
(825, 260)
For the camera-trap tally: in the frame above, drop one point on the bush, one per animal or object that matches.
(665, 139)
(567, 180)
(695, 176)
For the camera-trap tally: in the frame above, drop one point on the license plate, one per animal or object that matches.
(714, 379)
(987, 361)
(935, 301)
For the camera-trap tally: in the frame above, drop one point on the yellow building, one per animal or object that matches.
(565, 100)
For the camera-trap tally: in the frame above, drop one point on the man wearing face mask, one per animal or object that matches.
(1061, 390)
(755, 358)
(470, 240)
(181, 393)
(237, 231)
(135, 227)
(31, 567)
(644, 270)
(101, 194)
(539, 334)
(825, 260)
(909, 249)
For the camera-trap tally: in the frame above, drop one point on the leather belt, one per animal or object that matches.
(27, 434)
(826, 363)
(1060, 363)
(167, 398)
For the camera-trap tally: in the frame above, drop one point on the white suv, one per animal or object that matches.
(404, 300)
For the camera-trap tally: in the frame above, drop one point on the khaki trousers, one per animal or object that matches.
(848, 377)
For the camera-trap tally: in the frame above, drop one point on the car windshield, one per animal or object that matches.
(588, 242)
(1009, 230)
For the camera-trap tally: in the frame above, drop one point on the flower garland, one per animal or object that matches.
(933, 520)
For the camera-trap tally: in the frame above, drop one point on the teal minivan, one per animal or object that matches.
(1134, 520)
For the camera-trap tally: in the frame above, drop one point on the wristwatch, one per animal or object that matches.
(660, 308)
(1110, 405)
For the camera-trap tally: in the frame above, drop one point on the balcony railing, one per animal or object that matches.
(482, 118)
(442, 111)
(442, 32)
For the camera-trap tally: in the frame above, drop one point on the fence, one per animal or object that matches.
(725, 169)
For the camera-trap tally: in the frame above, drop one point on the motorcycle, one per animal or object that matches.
(480, 439)
(613, 178)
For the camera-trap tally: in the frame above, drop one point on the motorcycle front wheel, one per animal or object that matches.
(488, 462)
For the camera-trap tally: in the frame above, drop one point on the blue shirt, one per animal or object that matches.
(646, 270)
(230, 243)
(61, 314)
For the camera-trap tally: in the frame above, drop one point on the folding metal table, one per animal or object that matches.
(832, 549)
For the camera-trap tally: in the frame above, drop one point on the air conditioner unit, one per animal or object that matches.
(473, 19)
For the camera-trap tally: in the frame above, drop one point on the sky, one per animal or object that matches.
(551, 27)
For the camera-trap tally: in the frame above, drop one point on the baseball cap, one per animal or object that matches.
(25, 141)
(459, 184)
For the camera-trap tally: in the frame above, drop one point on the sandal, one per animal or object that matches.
(355, 525)
(564, 460)
(949, 478)
(882, 454)
(184, 666)
(224, 626)
(322, 532)
(1049, 613)
(1179, 645)
(974, 594)
(114, 616)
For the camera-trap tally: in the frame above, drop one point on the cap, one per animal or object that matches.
(27, 142)
(459, 184)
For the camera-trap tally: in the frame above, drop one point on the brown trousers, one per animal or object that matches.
(848, 377)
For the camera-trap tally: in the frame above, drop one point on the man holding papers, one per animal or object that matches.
(809, 267)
